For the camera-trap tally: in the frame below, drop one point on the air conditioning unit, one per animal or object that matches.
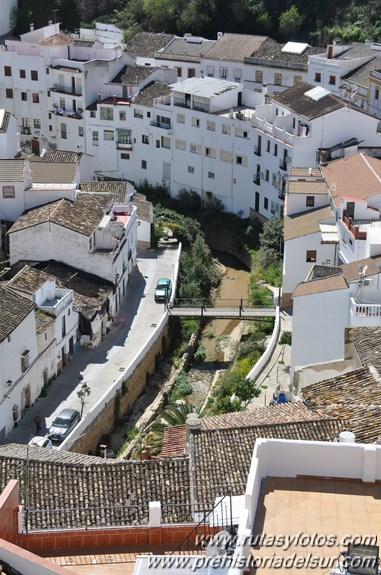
(368, 282)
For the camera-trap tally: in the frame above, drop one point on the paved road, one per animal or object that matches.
(100, 366)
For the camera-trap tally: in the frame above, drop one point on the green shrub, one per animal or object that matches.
(285, 338)
(200, 354)
(181, 388)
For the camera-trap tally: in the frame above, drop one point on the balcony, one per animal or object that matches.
(66, 90)
(257, 179)
(353, 228)
(283, 165)
(161, 125)
(124, 144)
(257, 150)
(67, 113)
(365, 314)
(26, 130)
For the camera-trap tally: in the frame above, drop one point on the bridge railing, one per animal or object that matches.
(222, 303)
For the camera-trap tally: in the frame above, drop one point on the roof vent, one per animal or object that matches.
(347, 437)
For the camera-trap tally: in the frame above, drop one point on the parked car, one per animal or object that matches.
(163, 290)
(41, 441)
(63, 424)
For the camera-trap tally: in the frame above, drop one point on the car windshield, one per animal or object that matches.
(163, 283)
(61, 422)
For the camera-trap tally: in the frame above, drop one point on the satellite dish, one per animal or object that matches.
(218, 544)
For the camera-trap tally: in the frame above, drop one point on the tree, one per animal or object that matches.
(82, 394)
(290, 22)
(271, 242)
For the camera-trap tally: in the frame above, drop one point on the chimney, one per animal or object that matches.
(50, 22)
(99, 99)
(145, 454)
(192, 424)
(219, 34)
(330, 51)
(31, 27)
(114, 100)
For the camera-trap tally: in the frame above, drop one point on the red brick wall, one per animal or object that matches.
(9, 505)
(168, 535)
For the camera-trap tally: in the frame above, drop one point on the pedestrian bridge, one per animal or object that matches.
(220, 309)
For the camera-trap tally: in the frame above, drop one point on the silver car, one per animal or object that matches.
(63, 424)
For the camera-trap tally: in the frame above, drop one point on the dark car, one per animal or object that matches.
(163, 290)
(63, 424)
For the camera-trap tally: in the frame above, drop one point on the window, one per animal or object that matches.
(95, 138)
(226, 129)
(317, 77)
(48, 93)
(125, 156)
(36, 123)
(179, 72)
(93, 114)
(210, 71)
(275, 149)
(24, 96)
(180, 118)
(237, 73)
(62, 103)
(148, 114)
(310, 201)
(158, 143)
(376, 93)
(259, 76)
(181, 145)
(268, 146)
(241, 133)
(34, 75)
(311, 256)
(226, 156)
(8, 93)
(165, 142)
(210, 125)
(241, 160)
(195, 122)
(297, 79)
(106, 113)
(138, 114)
(108, 135)
(35, 98)
(265, 203)
(267, 175)
(63, 131)
(332, 80)
(195, 149)
(210, 152)
(190, 169)
(7, 71)
(277, 79)
(191, 72)
(8, 191)
(22, 74)
(122, 115)
(63, 326)
(145, 139)
(144, 164)
(211, 175)
(80, 131)
(50, 128)
(224, 73)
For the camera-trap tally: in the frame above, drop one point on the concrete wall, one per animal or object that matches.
(134, 386)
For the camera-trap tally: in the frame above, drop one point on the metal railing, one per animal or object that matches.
(213, 520)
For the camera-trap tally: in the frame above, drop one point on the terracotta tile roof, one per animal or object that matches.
(146, 44)
(305, 223)
(12, 170)
(60, 156)
(13, 310)
(117, 189)
(294, 99)
(356, 176)
(301, 172)
(134, 75)
(88, 292)
(89, 492)
(353, 396)
(186, 49)
(56, 40)
(307, 187)
(372, 266)
(270, 52)
(281, 413)
(144, 208)
(235, 47)
(81, 216)
(320, 285)
(43, 321)
(174, 441)
(220, 459)
(154, 90)
(47, 172)
(367, 341)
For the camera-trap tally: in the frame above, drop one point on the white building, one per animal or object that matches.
(92, 234)
(27, 355)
